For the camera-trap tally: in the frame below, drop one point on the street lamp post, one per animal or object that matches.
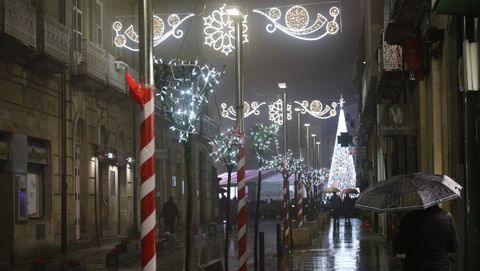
(236, 15)
(314, 154)
(318, 154)
(298, 183)
(307, 125)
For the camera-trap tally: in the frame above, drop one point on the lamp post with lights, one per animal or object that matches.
(236, 14)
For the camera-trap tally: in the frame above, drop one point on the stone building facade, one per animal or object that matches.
(66, 116)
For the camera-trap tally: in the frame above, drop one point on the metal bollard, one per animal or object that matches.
(261, 246)
(279, 242)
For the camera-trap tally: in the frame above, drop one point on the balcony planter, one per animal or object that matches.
(44, 263)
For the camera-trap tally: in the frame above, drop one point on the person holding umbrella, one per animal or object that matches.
(427, 234)
(426, 237)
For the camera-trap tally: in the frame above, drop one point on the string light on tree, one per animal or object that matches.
(296, 21)
(129, 39)
(184, 87)
(226, 150)
(342, 170)
(219, 30)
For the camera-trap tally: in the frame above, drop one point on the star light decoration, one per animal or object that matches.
(225, 148)
(183, 87)
(129, 39)
(314, 108)
(219, 30)
(297, 19)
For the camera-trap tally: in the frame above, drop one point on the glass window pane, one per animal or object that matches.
(99, 36)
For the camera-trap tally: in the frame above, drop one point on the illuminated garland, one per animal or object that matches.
(229, 112)
(314, 108)
(219, 30)
(129, 39)
(225, 148)
(296, 22)
(183, 88)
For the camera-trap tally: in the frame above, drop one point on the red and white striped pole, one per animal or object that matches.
(241, 210)
(300, 203)
(144, 96)
(286, 213)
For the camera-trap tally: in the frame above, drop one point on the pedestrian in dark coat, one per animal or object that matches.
(347, 207)
(426, 237)
(170, 214)
(337, 207)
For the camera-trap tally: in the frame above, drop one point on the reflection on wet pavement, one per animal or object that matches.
(343, 247)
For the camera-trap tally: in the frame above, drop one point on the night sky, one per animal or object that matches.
(321, 69)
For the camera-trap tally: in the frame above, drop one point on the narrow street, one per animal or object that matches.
(348, 247)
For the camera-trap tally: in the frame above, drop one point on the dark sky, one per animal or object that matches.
(319, 69)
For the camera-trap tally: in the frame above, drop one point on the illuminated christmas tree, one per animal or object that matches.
(342, 171)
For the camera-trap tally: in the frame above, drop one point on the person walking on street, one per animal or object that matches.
(347, 207)
(337, 207)
(426, 237)
(170, 214)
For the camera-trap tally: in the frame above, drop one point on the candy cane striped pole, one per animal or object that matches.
(300, 202)
(286, 214)
(241, 210)
(144, 96)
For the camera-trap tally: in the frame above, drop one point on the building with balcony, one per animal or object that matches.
(417, 110)
(66, 117)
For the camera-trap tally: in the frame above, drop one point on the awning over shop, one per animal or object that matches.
(457, 7)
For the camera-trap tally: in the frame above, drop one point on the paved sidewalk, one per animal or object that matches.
(343, 248)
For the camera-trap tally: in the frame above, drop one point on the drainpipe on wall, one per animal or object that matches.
(63, 161)
(471, 100)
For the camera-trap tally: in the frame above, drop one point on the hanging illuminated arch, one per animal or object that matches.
(297, 19)
(129, 39)
(219, 30)
(314, 108)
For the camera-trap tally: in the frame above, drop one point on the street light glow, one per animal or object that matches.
(307, 124)
(318, 142)
(297, 109)
(314, 135)
(282, 85)
(233, 11)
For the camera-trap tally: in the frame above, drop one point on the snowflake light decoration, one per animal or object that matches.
(129, 39)
(296, 22)
(219, 30)
(275, 112)
(183, 88)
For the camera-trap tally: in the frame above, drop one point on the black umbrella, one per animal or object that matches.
(408, 192)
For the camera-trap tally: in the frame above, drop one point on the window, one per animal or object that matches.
(35, 195)
(77, 25)
(98, 22)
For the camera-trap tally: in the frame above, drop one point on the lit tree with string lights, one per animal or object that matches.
(342, 170)
(263, 139)
(183, 87)
(287, 165)
(225, 150)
